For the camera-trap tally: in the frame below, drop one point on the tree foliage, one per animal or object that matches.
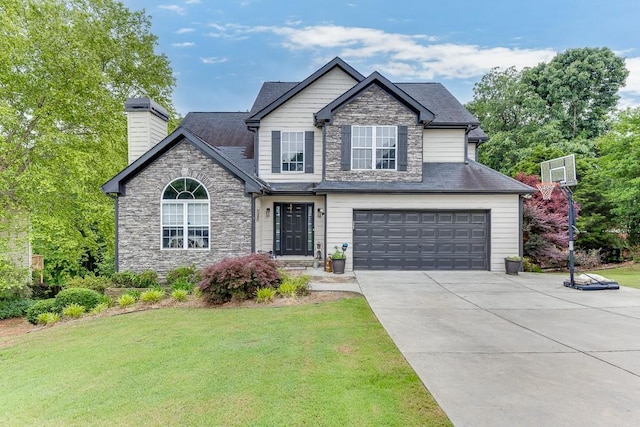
(580, 88)
(620, 163)
(66, 69)
(561, 108)
(545, 225)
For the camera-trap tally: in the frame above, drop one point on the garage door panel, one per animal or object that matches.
(421, 240)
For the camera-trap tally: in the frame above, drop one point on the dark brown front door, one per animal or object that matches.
(293, 228)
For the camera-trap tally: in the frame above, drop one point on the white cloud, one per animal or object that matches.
(172, 8)
(213, 60)
(633, 80)
(412, 57)
(185, 30)
(183, 44)
(192, 2)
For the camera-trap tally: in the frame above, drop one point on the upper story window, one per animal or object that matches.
(374, 147)
(292, 151)
(185, 215)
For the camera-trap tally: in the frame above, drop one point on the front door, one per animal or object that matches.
(293, 228)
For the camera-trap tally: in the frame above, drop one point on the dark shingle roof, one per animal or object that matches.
(463, 178)
(440, 101)
(269, 92)
(221, 130)
(433, 96)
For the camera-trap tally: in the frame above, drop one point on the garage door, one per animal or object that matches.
(420, 240)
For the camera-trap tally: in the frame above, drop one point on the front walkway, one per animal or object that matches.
(498, 350)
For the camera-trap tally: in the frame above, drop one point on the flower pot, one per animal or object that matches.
(512, 266)
(338, 265)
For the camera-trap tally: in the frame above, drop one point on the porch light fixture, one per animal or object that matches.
(268, 212)
(320, 212)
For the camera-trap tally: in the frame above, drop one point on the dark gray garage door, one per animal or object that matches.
(420, 240)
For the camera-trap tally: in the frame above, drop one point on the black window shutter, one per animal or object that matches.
(402, 148)
(345, 161)
(276, 161)
(308, 152)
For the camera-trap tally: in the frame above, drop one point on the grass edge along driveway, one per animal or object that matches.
(319, 364)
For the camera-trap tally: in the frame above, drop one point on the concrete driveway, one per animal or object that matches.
(498, 350)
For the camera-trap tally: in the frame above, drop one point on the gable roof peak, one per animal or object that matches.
(335, 62)
(425, 116)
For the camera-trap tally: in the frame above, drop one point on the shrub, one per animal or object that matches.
(287, 289)
(528, 265)
(14, 280)
(42, 306)
(85, 297)
(73, 310)
(99, 308)
(44, 291)
(184, 274)
(299, 284)
(135, 294)
(587, 259)
(90, 281)
(197, 292)
(14, 308)
(125, 279)
(152, 296)
(148, 279)
(183, 285)
(126, 300)
(179, 295)
(48, 318)
(237, 276)
(265, 294)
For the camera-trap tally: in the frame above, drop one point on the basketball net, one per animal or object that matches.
(546, 188)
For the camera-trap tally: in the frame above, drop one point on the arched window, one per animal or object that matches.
(185, 212)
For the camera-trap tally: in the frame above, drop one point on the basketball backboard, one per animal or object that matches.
(561, 170)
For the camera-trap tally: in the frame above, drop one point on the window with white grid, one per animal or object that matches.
(374, 147)
(292, 151)
(185, 212)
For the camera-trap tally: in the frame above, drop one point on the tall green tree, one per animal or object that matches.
(620, 164)
(66, 69)
(580, 88)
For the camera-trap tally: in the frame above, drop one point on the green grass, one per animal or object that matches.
(323, 364)
(627, 276)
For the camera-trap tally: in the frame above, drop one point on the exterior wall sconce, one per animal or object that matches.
(320, 212)
(268, 212)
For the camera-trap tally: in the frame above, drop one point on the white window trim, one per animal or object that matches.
(374, 147)
(185, 219)
(304, 154)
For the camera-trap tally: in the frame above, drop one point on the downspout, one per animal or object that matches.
(520, 225)
(115, 253)
(256, 147)
(253, 223)
(466, 144)
(326, 211)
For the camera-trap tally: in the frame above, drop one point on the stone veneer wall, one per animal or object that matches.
(139, 228)
(374, 107)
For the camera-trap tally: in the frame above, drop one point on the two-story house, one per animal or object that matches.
(389, 168)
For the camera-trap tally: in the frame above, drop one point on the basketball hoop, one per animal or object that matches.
(546, 188)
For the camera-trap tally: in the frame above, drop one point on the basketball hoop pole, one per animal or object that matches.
(572, 220)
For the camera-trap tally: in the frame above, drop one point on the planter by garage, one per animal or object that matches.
(338, 265)
(512, 266)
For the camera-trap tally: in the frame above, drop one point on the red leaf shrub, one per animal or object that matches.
(238, 278)
(545, 225)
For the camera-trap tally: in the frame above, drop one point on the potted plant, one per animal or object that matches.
(339, 258)
(513, 264)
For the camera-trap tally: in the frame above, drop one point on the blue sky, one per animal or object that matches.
(221, 51)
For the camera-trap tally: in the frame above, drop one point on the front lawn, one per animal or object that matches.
(320, 364)
(627, 276)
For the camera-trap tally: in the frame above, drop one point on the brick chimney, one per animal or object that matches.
(146, 125)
